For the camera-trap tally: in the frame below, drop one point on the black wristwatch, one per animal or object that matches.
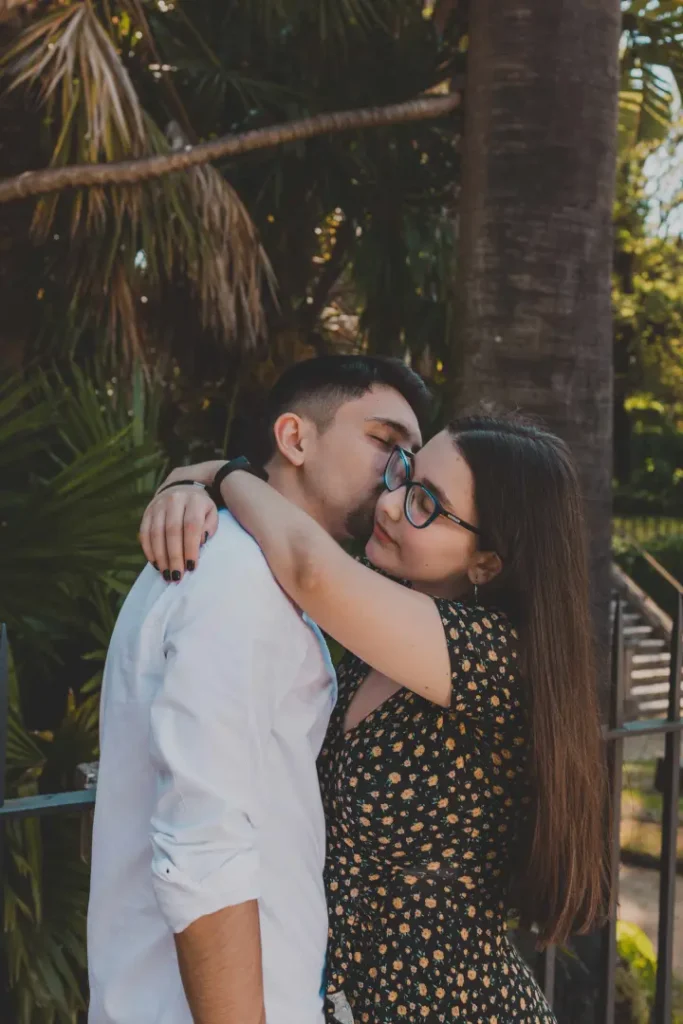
(241, 462)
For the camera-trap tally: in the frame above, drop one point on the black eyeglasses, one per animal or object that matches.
(421, 507)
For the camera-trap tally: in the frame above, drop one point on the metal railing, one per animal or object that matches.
(77, 801)
(616, 732)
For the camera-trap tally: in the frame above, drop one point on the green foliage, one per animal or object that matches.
(655, 484)
(631, 1005)
(648, 261)
(652, 39)
(636, 978)
(77, 474)
(647, 299)
(74, 472)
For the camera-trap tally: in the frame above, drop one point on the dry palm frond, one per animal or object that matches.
(133, 238)
(230, 269)
(216, 244)
(69, 55)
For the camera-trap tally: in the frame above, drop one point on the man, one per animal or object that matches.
(207, 900)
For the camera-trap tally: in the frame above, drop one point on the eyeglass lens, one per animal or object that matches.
(420, 505)
(397, 471)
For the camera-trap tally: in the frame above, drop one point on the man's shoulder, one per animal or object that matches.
(232, 542)
(232, 560)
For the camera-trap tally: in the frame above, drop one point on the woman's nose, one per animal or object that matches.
(391, 503)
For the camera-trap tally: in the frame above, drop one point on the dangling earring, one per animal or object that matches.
(476, 593)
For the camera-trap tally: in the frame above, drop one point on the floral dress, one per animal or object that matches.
(424, 807)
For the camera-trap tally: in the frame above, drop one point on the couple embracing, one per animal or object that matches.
(278, 842)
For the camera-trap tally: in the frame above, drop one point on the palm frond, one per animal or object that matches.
(645, 107)
(77, 512)
(652, 44)
(83, 496)
(190, 224)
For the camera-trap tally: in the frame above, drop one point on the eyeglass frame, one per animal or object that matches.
(407, 458)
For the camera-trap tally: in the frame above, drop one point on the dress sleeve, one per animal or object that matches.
(484, 658)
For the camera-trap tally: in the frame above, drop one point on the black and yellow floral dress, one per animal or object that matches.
(424, 807)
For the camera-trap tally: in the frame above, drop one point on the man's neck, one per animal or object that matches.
(286, 481)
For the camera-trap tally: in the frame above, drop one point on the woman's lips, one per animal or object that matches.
(381, 534)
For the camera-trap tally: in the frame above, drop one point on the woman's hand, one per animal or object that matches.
(179, 520)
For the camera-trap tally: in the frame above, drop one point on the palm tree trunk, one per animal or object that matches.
(33, 183)
(539, 158)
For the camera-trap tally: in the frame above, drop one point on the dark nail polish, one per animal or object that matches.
(190, 565)
(206, 536)
(175, 575)
(167, 575)
(155, 566)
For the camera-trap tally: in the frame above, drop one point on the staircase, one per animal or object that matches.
(647, 685)
(647, 631)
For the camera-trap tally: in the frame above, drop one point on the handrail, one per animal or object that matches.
(648, 609)
(664, 573)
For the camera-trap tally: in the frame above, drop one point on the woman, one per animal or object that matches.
(462, 772)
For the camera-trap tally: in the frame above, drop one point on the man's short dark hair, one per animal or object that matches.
(317, 387)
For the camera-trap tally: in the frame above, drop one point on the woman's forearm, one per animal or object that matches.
(204, 472)
(290, 539)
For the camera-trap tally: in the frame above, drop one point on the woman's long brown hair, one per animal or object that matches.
(530, 512)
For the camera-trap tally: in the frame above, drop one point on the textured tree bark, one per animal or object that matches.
(535, 231)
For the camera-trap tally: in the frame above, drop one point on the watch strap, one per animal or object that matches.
(241, 462)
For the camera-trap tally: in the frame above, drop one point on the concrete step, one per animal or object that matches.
(652, 707)
(649, 691)
(642, 631)
(654, 658)
(648, 687)
(650, 673)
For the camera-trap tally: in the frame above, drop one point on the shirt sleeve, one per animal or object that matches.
(483, 653)
(210, 723)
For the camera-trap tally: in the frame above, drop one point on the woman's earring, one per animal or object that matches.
(476, 593)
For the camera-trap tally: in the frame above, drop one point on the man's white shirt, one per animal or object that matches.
(217, 693)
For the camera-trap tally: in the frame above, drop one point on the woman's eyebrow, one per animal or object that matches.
(437, 492)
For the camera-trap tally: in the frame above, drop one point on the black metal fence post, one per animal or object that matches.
(670, 793)
(547, 979)
(4, 717)
(615, 768)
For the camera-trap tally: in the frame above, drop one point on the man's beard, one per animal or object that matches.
(360, 522)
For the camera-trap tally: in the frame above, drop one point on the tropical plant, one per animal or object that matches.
(190, 225)
(652, 45)
(647, 303)
(153, 78)
(78, 468)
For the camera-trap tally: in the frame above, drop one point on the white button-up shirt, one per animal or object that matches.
(216, 697)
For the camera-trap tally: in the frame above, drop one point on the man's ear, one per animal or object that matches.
(292, 435)
(485, 567)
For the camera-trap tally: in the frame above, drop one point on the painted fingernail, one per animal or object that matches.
(155, 566)
(167, 575)
(190, 565)
(206, 536)
(175, 575)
